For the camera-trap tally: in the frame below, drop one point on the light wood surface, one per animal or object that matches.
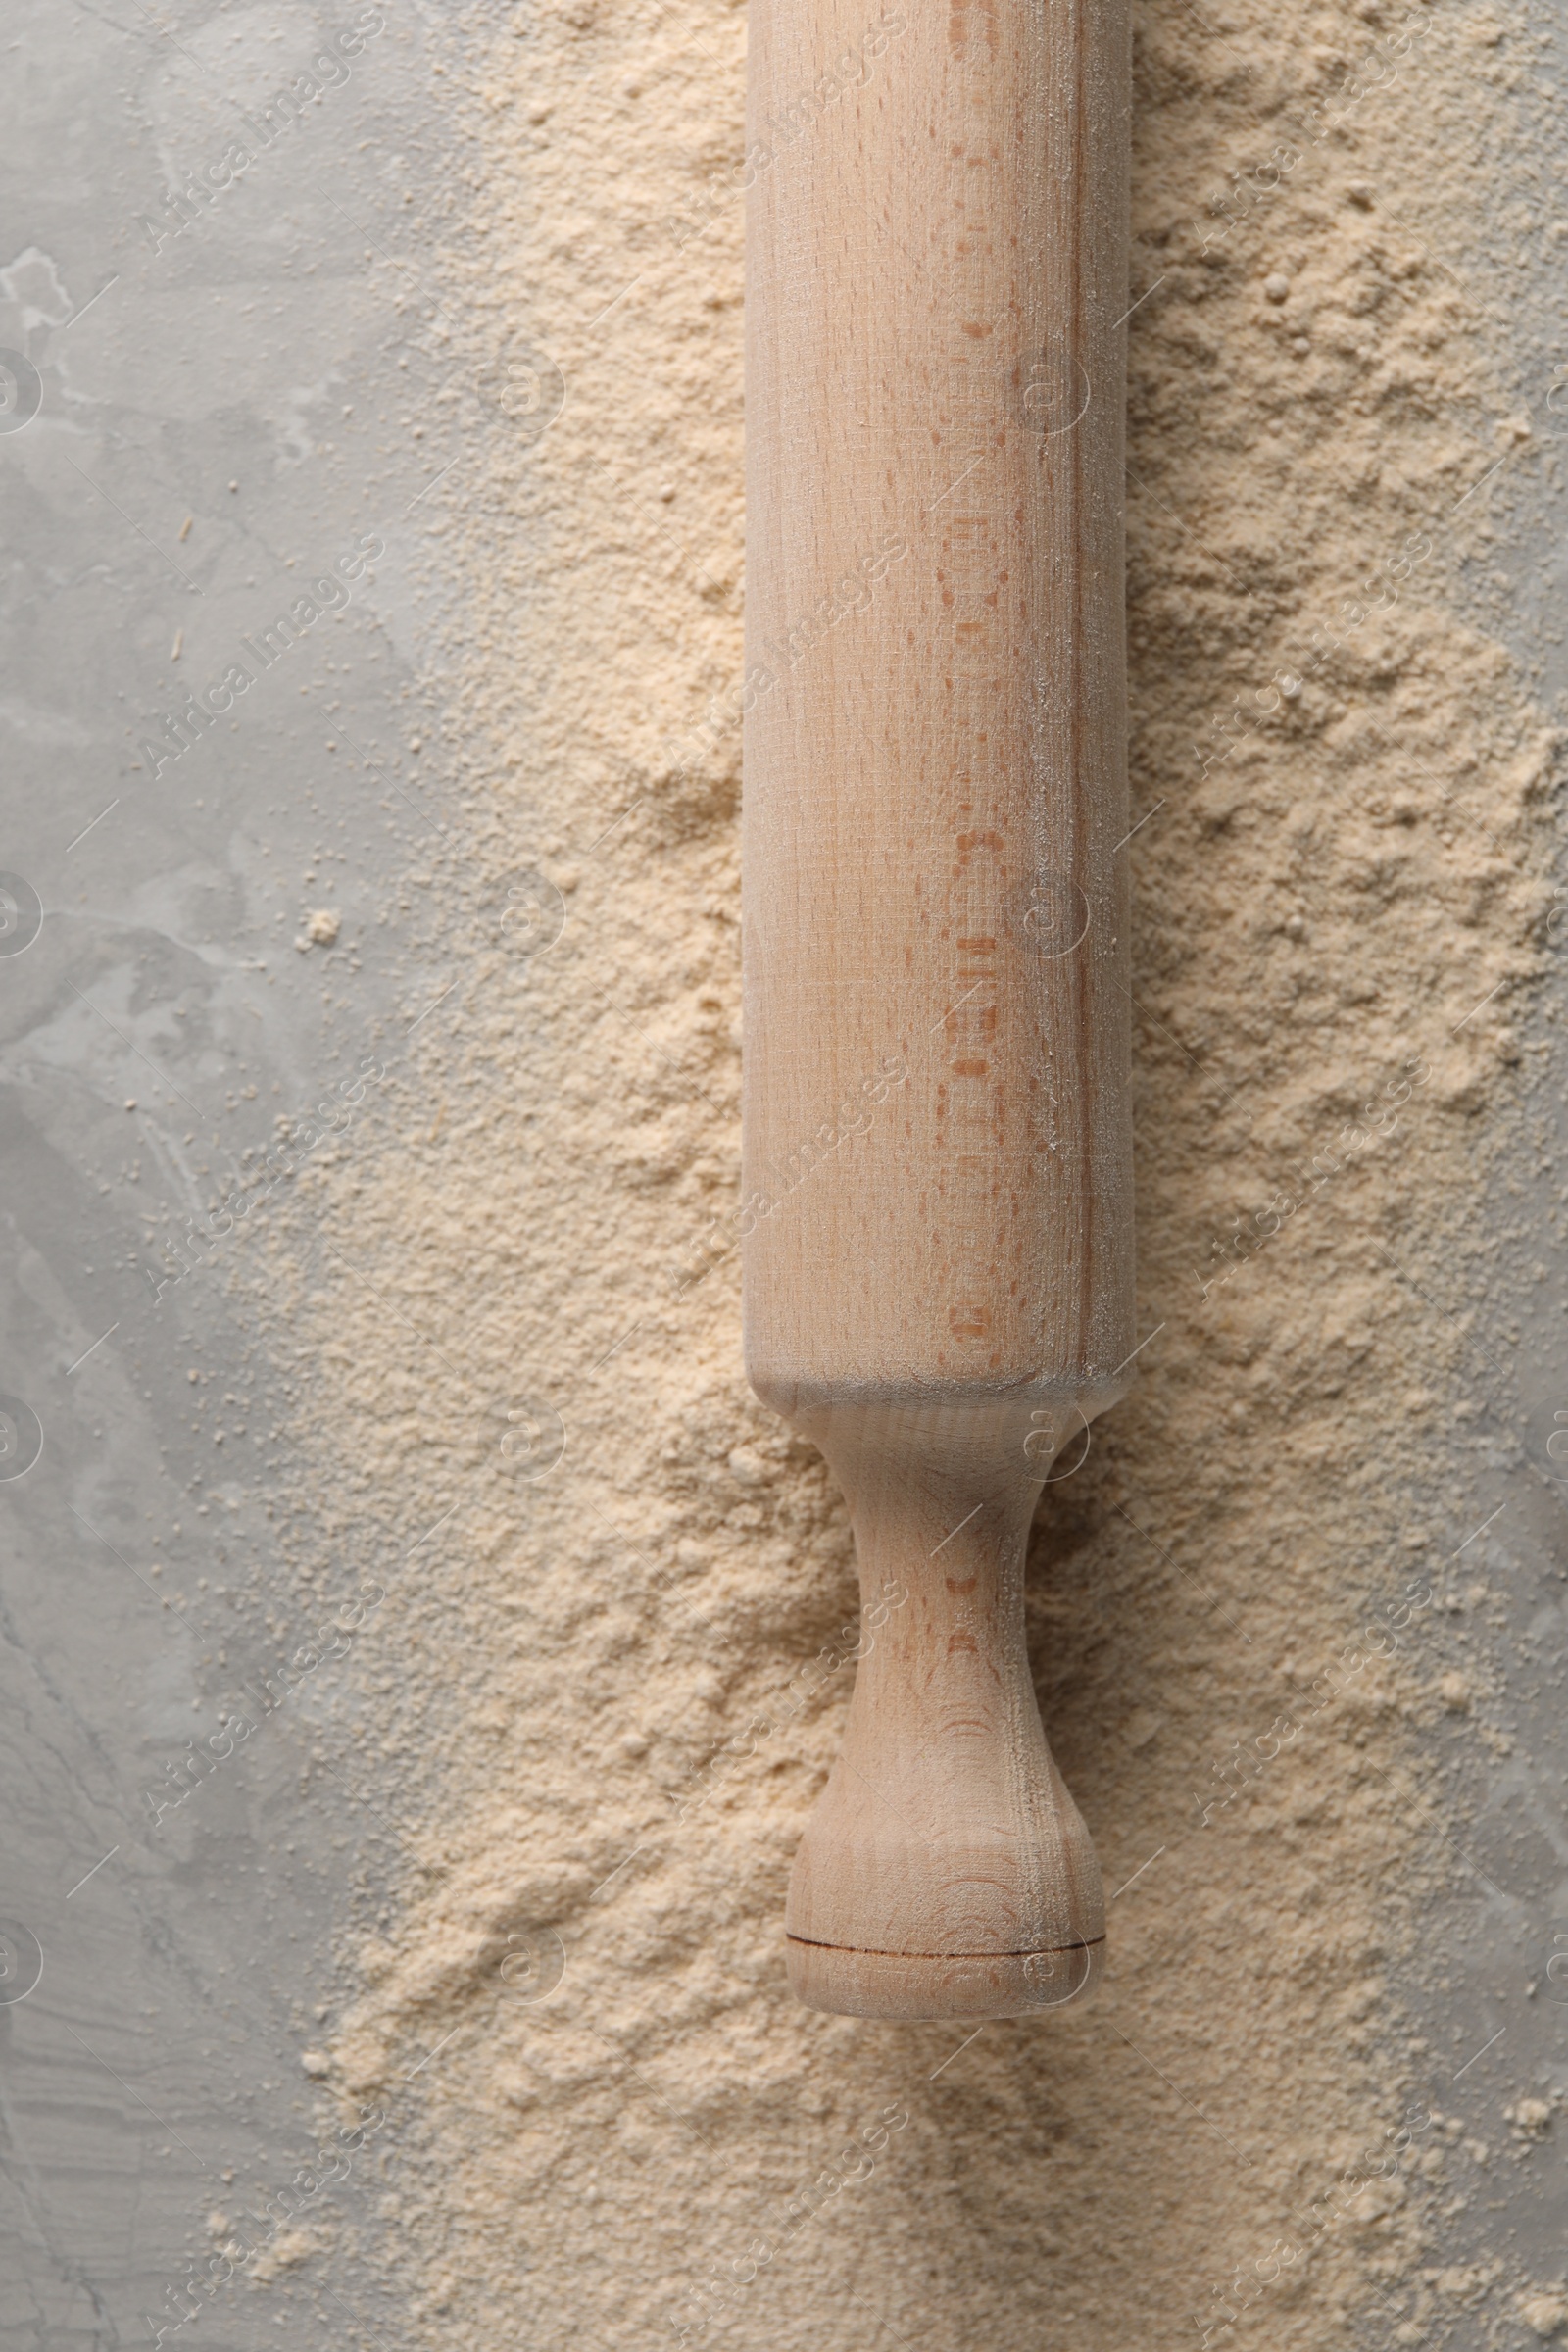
(937, 1203)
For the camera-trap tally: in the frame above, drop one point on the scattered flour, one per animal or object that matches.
(612, 1662)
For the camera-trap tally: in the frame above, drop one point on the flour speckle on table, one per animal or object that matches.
(614, 1654)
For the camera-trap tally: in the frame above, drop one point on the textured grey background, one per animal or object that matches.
(222, 414)
(1490, 1999)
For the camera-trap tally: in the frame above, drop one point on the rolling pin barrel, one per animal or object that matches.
(937, 1155)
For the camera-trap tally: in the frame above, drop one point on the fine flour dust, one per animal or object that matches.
(599, 1703)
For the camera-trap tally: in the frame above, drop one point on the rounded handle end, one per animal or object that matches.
(908, 1986)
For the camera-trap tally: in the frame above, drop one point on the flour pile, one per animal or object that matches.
(613, 1661)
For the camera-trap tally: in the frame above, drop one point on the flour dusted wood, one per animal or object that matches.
(937, 1155)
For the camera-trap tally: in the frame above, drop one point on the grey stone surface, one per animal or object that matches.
(210, 405)
(1490, 1999)
(200, 417)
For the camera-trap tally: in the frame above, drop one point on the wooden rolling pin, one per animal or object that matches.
(937, 1158)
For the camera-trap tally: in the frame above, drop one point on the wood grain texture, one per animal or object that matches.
(937, 1184)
